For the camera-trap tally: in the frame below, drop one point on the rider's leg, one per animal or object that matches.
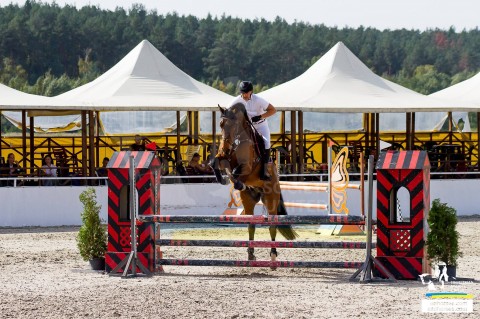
(265, 158)
(264, 174)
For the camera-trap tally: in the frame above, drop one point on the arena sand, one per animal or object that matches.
(43, 276)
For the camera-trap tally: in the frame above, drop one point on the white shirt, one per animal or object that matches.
(255, 106)
(50, 171)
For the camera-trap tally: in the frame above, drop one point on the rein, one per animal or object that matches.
(237, 141)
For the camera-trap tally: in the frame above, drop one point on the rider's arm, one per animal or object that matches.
(270, 111)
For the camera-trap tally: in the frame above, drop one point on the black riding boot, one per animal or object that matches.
(264, 174)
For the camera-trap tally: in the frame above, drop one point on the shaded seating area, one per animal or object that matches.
(148, 60)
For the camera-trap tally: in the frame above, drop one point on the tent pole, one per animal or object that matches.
(84, 144)
(24, 138)
(367, 131)
(195, 127)
(177, 156)
(377, 134)
(282, 128)
(478, 139)
(412, 141)
(301, 139)
(32, 145)
(213, 150)
(372, 131)
(450, 128)
(91, 142)
(293, 141)
(408, 125)
(190, 127)
(97, 136)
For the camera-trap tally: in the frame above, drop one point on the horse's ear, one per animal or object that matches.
(222, 110)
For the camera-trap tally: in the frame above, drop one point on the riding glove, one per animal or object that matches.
(257, 118)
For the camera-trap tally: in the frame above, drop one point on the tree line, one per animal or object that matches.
(47, 49)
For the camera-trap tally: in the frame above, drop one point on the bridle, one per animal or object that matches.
(237, 132)
(234, 141)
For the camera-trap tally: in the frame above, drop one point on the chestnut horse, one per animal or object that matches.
(239, 154)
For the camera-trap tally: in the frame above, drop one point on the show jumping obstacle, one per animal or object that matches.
(135, 238)
(146, 256)
(257, 220)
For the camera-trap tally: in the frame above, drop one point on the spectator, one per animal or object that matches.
(200, 169)
(180, 169)
(164, 158)
(11, 169)
(102, 171)
(210, 156)
(139, 144)
(48, 170)
(63, 170)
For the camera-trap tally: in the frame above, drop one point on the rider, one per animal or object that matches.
(258, 110)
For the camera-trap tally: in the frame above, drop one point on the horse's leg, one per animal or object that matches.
(251, 236)
(248, 200)
(273, 250)
(269, 200)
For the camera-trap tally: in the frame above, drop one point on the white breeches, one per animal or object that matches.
(263, 129)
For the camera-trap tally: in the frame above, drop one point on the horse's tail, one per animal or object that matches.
(287, 231)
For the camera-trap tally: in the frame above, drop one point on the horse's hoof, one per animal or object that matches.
(273, 258)
(239, 186)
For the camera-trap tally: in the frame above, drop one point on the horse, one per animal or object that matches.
(240, 155)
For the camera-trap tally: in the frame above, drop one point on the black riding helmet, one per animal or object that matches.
(246, 86)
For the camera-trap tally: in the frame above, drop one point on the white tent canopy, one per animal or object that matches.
(467, 91)
(145, 80)
(339, 82)
(141, 84)
(11, 99)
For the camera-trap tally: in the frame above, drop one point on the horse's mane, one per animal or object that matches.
(238, 107)
(233, 112)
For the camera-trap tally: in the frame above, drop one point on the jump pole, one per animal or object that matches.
(313, 184)
(259, 263)
(260, 244)
(255, 219)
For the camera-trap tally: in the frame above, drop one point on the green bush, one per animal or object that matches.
(92, 238)
(442, 239)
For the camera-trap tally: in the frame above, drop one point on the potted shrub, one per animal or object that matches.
(442, 239)
(92, 238)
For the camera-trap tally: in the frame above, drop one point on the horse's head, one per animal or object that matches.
(233, 124)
